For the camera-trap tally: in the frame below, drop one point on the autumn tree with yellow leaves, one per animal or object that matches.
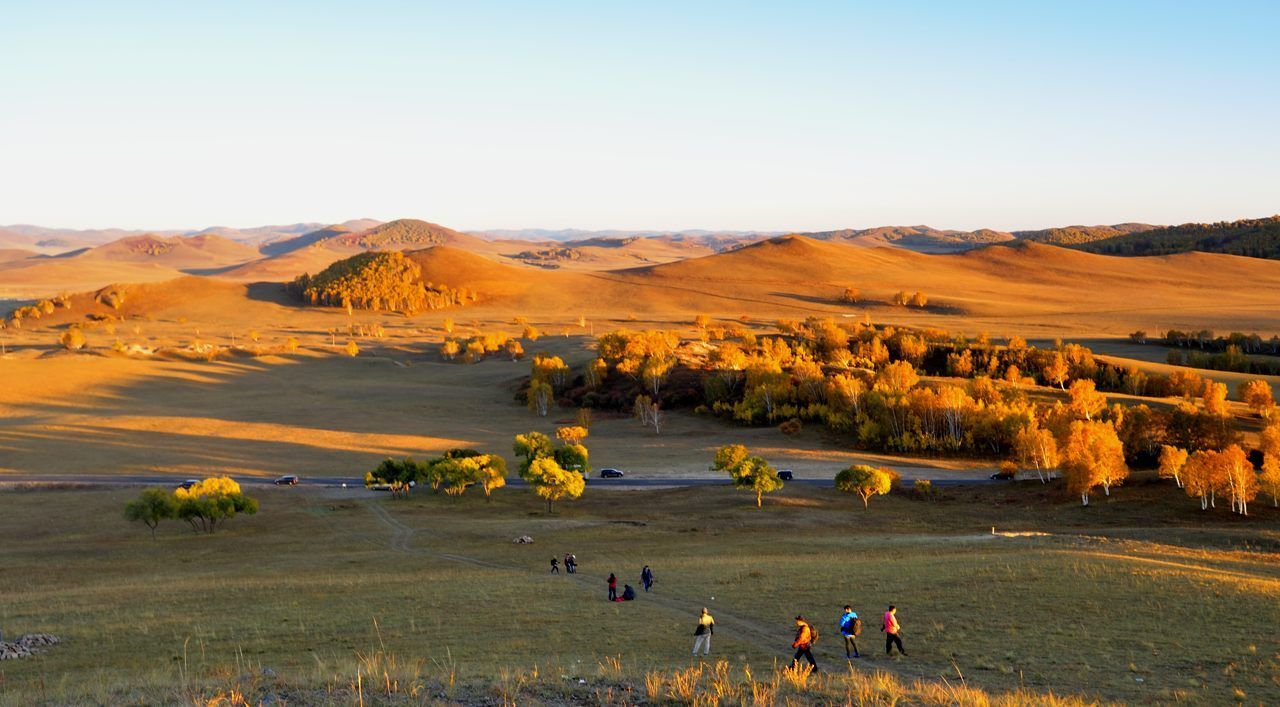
(1092, 456)
(749, 472)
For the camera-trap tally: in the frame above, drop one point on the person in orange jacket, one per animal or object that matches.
(803, 643)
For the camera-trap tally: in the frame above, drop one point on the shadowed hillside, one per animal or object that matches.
(1256, 238)
(1071, 235)
(919, 238)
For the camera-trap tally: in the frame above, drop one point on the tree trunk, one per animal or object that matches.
(548, 506)
(1084, 499)
(1106, 489)
(759, 499)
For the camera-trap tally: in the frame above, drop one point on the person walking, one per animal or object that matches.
(613, 587)
(702, 634)
(646, 577)
(568, 563)
(892, 631)
(805, 636)
(573, 564)
(850, 628)
(555, 566)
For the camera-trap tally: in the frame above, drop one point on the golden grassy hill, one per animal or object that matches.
(177, 252)
(8, 255)
(1028, 288)
(145, 258)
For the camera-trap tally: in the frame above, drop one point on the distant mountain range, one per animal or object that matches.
(577, 234)
(224, 246)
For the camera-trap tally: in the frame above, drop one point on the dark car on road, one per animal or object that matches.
(289, 480)
(188, 484)
(785, 474)
(611, 474)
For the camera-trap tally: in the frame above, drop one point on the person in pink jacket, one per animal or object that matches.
(892, 631)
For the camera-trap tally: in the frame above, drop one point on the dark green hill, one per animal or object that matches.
(1258, 238)
(1073, 235)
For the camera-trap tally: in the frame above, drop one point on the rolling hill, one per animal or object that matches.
(924, 239)
(1071, 235)
(177, 252)
(1257, 238)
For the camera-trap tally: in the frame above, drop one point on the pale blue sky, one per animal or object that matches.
(787, 115)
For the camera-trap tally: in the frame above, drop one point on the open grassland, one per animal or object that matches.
(1139, 598)
(325, 415)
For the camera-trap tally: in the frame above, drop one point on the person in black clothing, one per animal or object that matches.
(555, 566)
(568, 563)
(646, 577)
(613, 587)
(628, 594)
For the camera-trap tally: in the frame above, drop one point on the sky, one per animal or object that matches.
(735, 115)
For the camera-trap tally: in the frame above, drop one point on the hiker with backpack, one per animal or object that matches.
(613, 587)
(570, 563)
(702, 634)
(646, 577)
(806, 636)
(850, 628)
(892, 631)
(555, 566)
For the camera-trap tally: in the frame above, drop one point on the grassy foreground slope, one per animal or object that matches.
(1141, 599)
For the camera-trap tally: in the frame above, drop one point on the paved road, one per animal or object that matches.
(358, 482)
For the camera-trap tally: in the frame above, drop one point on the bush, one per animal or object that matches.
(925, 489)
(72, 339)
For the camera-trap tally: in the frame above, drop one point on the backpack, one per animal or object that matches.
(813, 634)
(856, 625)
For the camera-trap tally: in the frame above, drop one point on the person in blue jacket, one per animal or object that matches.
(850, 627)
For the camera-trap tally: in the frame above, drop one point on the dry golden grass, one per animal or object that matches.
(1133, 600)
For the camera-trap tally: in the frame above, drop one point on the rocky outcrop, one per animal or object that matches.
(26, 646)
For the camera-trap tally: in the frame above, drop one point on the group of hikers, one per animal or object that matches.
(628, 593)
(570, 564)
(807, 635)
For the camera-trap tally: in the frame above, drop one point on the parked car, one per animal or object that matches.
(785, 474)
(288, 480)
(188, 484)
(611, 474)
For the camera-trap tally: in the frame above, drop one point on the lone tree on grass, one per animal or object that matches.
(212, 501)
(747, 471)
(551, 481)
(572, 434)
(865, 481)
(553, 472)
(150, 507)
